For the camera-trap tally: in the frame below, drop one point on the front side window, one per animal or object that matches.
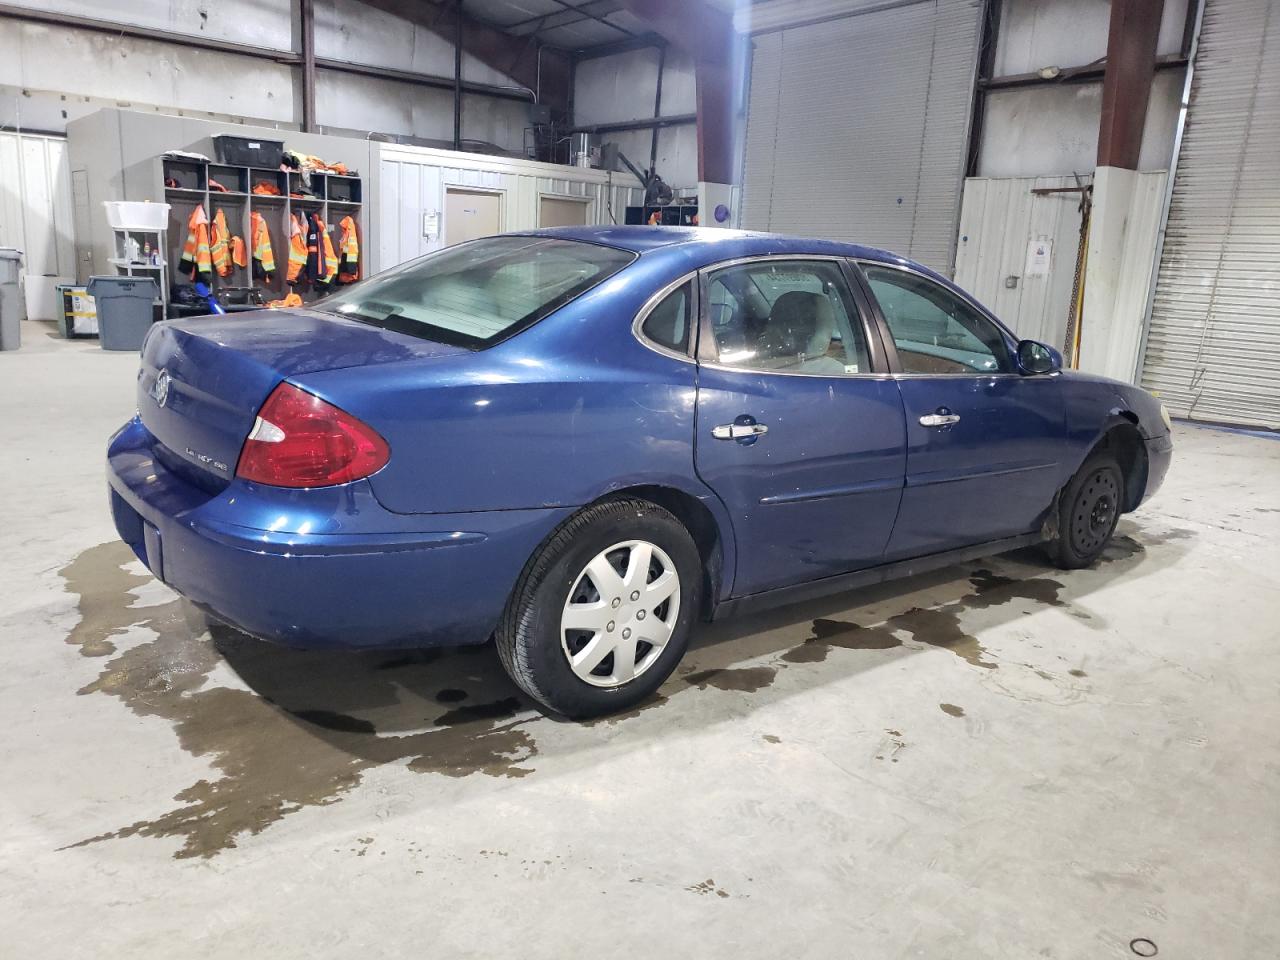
(787, 316)
(934, 330)
(669, 322)
(478, 293)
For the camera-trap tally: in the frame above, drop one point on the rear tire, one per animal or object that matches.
(602, 613)
(1088, 511)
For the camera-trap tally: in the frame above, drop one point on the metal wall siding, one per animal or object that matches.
(997, 219)
(1214, 331)
(857, 128)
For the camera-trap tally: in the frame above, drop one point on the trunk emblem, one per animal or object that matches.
(160, 390)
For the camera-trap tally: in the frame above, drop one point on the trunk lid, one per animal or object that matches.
(203, 380)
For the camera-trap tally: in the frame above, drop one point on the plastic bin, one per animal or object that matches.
(137, 215)
(11, 305)
(124, 307)
(248, 151)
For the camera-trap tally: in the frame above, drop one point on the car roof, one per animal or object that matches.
(645, 239)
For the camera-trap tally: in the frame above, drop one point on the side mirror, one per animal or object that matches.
(1035, 357)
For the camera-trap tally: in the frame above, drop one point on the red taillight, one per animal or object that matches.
(300, 440)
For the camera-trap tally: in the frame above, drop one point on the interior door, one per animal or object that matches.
(471, 214)
(983, 441)
(799, 429)
(562, 212)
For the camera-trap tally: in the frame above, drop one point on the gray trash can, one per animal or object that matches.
(11, 306)
(124, 310)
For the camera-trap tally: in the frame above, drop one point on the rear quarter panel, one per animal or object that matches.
(559, 415)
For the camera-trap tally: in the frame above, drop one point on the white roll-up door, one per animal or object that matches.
(1213, 344)
(857, 127)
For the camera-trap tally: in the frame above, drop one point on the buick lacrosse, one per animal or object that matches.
(581, 441)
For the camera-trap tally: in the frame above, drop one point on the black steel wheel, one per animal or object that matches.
(1088, 511)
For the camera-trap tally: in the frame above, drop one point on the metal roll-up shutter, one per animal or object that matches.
(857, 127)
(1213, 341)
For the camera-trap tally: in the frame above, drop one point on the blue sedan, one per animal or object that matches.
(580, 441)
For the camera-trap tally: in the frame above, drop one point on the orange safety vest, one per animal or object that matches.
(239, 255)
(330, 258)
(219, 238)
(261, 238)
(195, 252)
(297, 248)
(348, 251)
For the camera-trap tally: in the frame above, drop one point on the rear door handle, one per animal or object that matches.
(939, 419)
(739, 431)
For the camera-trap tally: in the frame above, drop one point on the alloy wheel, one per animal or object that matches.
(620, 613)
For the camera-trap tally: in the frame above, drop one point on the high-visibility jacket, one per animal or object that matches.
(195, 252)
(239, 255)
(348, 251)
(297, 247)
(263, 256)
(220, 244)
(322, 262)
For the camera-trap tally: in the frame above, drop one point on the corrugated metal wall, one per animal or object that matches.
(998, 218)
(410, 187)
(1214, 334)
(857, 126)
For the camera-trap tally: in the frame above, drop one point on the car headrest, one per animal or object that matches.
(801, 323)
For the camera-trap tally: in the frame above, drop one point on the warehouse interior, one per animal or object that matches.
(992, 759)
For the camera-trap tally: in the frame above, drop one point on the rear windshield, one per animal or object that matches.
(478, 293)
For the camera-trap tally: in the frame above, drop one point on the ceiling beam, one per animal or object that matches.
(707, 35)
(542, 69)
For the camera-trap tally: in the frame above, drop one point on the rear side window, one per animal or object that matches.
(478, 293)
(788, 316)
(669, 322)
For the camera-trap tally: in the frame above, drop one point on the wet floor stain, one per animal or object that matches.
(272, 755)
(830, 634)
(310, 725)
(741, 679)
(951, 710)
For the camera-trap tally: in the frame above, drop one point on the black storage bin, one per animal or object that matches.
(248, 151)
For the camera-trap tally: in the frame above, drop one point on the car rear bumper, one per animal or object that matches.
(328, 567)
(1159, 454)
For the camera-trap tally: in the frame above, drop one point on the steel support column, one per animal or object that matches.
(307, 44)
(1126, 85)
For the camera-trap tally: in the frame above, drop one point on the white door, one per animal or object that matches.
(471, 214)
(562, 212)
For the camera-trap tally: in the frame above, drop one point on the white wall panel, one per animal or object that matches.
(998, 218)
(1068, 33)
(886, 166)
(410, 185)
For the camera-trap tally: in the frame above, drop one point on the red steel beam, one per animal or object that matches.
(705, 33)
(1126, 84)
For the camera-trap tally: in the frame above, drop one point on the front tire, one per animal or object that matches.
(1088, 511)
(602, 613)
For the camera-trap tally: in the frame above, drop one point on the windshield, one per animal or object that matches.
(477, 293)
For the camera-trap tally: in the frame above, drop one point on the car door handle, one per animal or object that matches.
(739, 431)
(939, 419)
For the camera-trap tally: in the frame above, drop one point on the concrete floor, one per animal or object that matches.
(999, 760)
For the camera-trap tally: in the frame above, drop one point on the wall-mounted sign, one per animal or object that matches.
(1039, 257)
